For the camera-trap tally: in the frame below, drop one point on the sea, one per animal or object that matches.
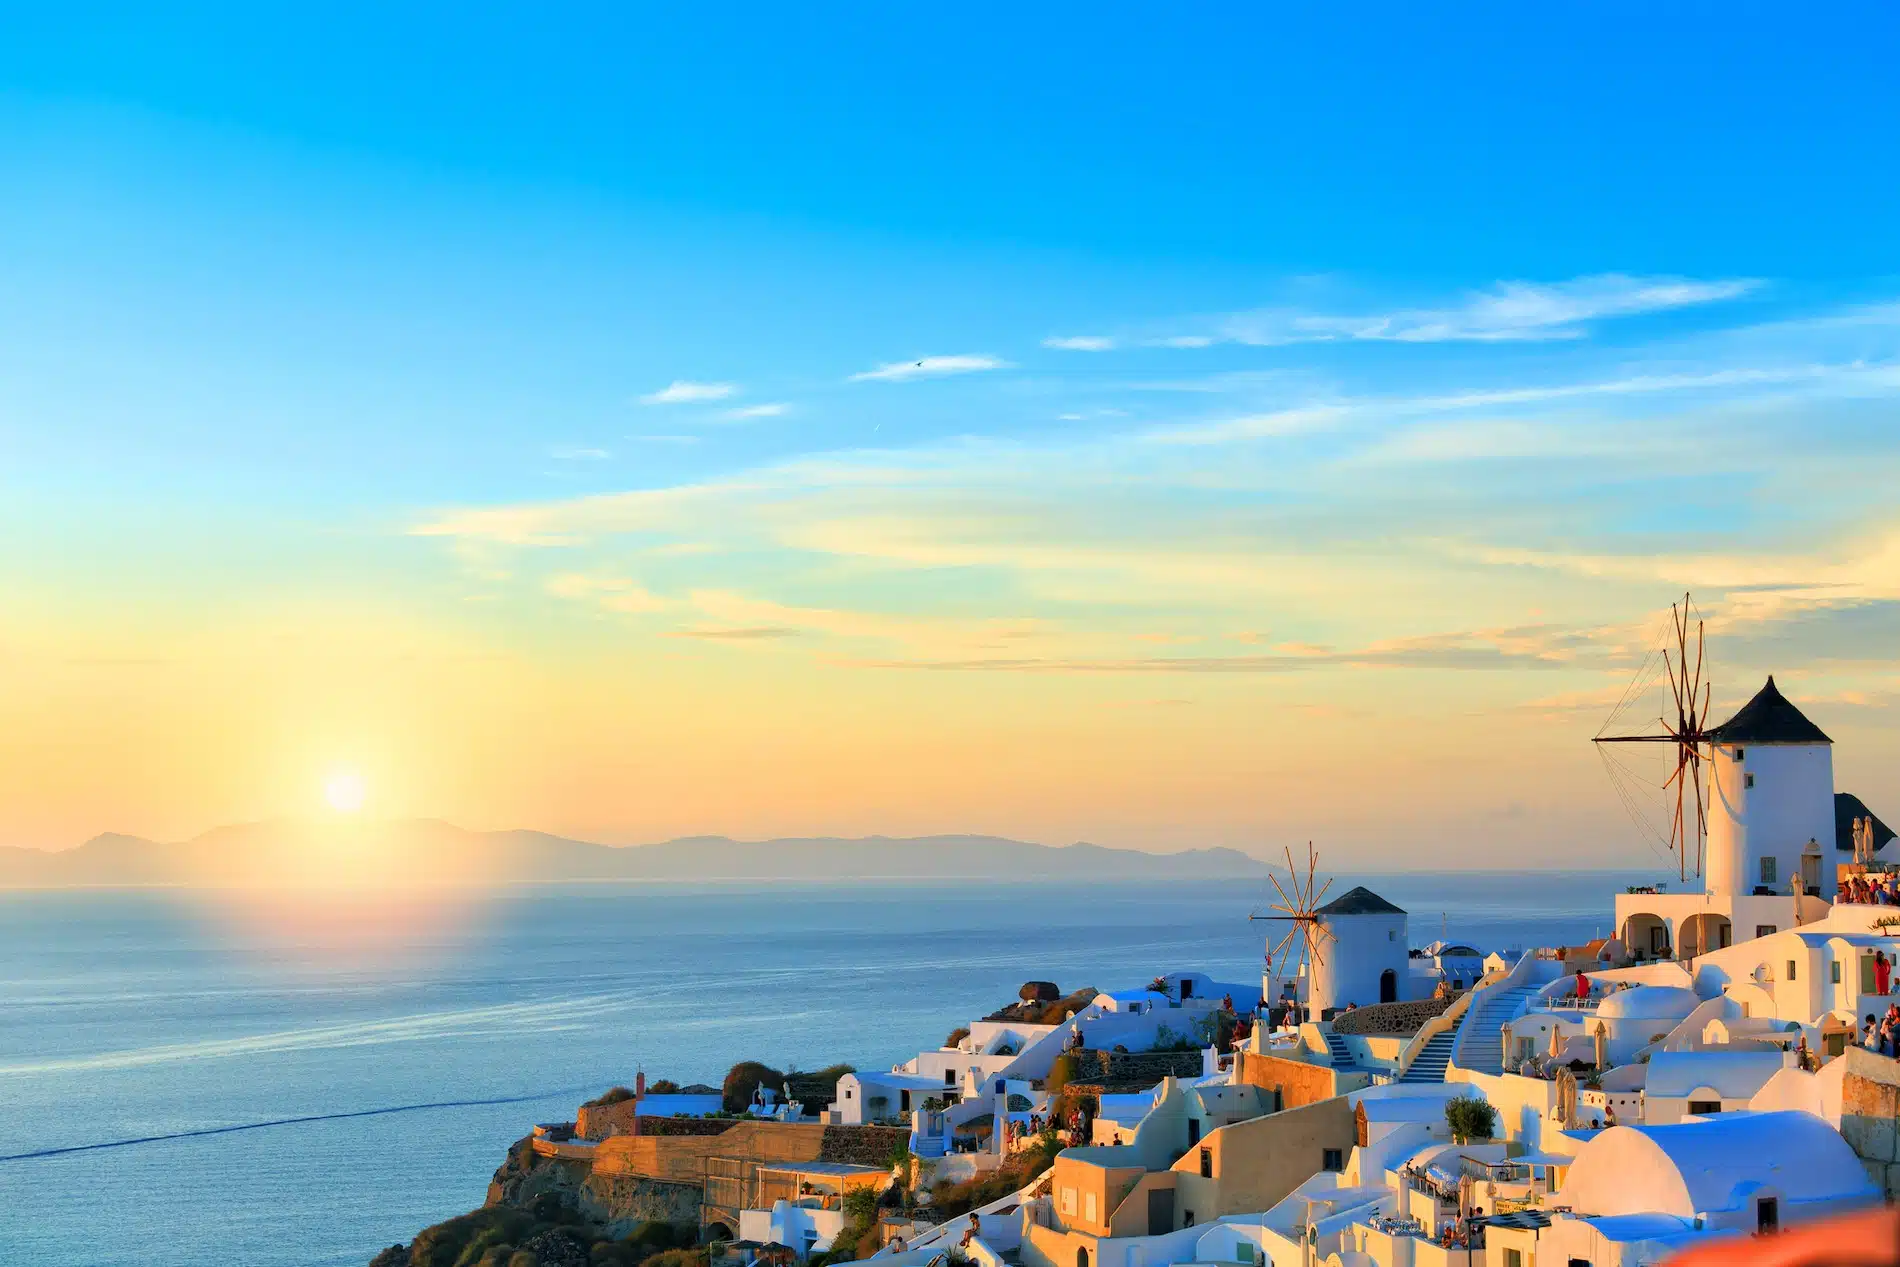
(189, 1079)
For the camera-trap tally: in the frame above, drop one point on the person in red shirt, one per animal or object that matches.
(1883, 972)
(1583, 985)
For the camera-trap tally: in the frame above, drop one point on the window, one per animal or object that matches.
(1187, 1218)
(847, 1093)
(1767, 1214)
(903, 1101)
(1391, 934)
(1088, 1207)
(1739, 754)
(1068, 1200)
(1207, 1163)
(1767, 870)
(1791, 970)
(1333, 1159)
(1834, 972)
(1658, 940)
(1764, 930)
(1705, 1107)
(1513, 1258)
(949, 1077)
(1194, 1130)
(1748, 780)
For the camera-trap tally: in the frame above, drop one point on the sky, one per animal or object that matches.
(1227, 427)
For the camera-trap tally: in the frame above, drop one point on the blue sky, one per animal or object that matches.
(1221, 365)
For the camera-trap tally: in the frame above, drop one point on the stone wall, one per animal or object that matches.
(1870, 1115)
(619, 1203)
(598, 1121)
(1391, 1018)
(686, 1125)
(1144, 1067)
(862, 1145)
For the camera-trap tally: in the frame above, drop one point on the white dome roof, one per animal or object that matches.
(1659, 1002)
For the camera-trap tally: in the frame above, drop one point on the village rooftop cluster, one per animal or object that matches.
(1723, 1067)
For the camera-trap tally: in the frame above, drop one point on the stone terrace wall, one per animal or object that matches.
(1145, 1067)
(1870, 1115)
(863, 1145)
(1391, 1018)
(687, 1125)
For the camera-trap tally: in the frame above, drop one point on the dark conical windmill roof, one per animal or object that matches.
(1769, 718)
(1359, 901)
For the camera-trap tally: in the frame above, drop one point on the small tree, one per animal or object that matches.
(860, 1205)
(1469, 1118)
(1061, 1073)
(746, 1077)
(956, 1036)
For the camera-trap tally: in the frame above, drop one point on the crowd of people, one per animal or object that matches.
(1871, 889)
(1882, 1034)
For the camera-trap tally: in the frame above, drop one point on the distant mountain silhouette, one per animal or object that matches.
(428, 851)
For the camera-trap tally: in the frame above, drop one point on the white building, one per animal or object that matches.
(1640, 1190)
(1771, 824)
(875, 1096)
(1704, 1083)
(1364, 957)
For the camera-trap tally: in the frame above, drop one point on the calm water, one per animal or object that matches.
(147, 1015)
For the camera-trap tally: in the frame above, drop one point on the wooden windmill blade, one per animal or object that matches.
(1689, 697)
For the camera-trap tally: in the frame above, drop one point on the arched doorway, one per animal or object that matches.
(714, 1232)
(1388, 986)
(1082, 1257)
(1646, 936)
(1706, 932)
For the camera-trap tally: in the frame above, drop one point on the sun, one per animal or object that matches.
(344, 791)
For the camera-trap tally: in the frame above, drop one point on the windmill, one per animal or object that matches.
(1299, 908)
(1686, 736)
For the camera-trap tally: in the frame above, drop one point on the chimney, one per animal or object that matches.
(639, 1084)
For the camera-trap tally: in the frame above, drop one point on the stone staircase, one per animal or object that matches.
(1341, 1054)
(1483, 1047)
(1432, 1059)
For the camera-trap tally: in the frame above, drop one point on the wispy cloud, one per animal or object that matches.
(1510, 311)
(685, 392)
(745, 413)
(931, 367)
(749, 633)
(1080, 343)
(581, 455)
(613, 593)
(1531, 647)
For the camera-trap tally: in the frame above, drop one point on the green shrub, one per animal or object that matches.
(1061, 1073)
(860, 1205)
(1469, 1118)
(614, 1096)
(663, 1086)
